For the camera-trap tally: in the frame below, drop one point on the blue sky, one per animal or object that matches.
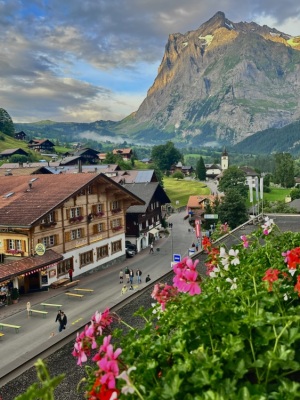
(94, 60)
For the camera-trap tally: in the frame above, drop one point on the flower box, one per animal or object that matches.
(116, 210)
(98, 214)
(15, 252)
(117, 228)
(76, 219)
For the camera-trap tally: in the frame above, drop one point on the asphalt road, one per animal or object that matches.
(38, 331)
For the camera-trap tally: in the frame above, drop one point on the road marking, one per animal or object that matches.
(76, 321)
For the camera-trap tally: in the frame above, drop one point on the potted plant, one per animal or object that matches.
(15, 295)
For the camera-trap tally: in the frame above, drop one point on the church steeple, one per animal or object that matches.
(224, 160)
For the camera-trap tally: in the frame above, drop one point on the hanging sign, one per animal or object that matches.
(40, 249)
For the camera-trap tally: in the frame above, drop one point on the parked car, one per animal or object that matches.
(131, 246)
(129, 252)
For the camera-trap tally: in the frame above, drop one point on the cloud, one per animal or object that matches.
(81, 60)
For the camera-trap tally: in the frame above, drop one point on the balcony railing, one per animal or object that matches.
(116, 210)
(117, 228)
(15, 252)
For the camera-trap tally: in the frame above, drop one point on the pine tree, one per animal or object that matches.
(201, 170)
(6, 123)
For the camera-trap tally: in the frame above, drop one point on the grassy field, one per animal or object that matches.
(277, 194)
(180, 190)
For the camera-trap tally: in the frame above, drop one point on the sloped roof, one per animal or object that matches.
(249, 171)
(135, 176)
(12, 151)
(24, 206)
(73, 169)
(146, 191)
(122, 151)
(27, 264)
(195, 201)
(24, 171)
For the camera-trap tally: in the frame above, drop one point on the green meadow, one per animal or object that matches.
(180, 190)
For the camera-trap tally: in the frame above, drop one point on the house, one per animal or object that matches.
(126, 154)
(11, 152)
(251, 176)
(23, 171)
(185, 169)
(41, 145)
(108, 170)
(51, 223)
(87, 156)
(134, 176)
(197, 204)
(143, 222)
(213, 170)
(20, 135)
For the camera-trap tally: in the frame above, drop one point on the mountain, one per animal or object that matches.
(217, 85)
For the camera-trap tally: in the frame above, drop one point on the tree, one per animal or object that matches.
(233, 177)
(233, 208)
(295, 193)
(178, 175)
(200, 169)
(284, 170)
(6, 123)
(165, 155)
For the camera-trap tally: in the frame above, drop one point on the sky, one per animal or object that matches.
(89, 60)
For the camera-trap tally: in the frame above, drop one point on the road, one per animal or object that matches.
(37, 332)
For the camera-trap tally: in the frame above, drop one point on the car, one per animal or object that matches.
(131, 246)
(129, 252)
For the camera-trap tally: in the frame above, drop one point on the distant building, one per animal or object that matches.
(41, 145)
(20, 135)
(11, 152)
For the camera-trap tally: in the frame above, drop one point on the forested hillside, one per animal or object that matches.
(286, 139)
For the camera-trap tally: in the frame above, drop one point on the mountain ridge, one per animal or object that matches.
(217, 85)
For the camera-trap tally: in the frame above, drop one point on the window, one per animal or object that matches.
(102, 252)
(98, 228)
(86, 258)
(64, 266)
(76, 234)
(115, 205)
(75, 212)
(99, 208)
(48, 241)
(49, 218)
(116, 223)
(14, 244)
(116, 246)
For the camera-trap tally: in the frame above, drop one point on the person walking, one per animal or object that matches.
(147, 278)
(61, 318)
(127, 274)
(131, 276)
(151, 248)
(71, 274)
(139, 275)
(121, 276)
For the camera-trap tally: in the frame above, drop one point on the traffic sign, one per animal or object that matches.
(211, 216)
(176, 257)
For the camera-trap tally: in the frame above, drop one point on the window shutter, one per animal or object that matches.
(67, 236)
(95, 229)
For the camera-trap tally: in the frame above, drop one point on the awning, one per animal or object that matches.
(153, 231)
(28, 265)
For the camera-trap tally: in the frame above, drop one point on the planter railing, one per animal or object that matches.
(76, 219)
(116, 210)
(15, 252)
(117, 228)
(98, 215)
(48, 224)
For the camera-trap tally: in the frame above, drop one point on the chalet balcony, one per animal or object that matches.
(98, 215)
(14, 252)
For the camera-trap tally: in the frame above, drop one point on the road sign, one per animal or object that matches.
(176, 257)
(191, 251)
(211, 216)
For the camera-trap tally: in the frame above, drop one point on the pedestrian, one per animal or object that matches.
(151, 248)
(71, 274)
(148, 278)
(61, 318)
(28, 306)
(131, 276)
(121, 276)
(127, 274)
(193, 245)
(139, 276)
(197, 246)
(124, 289)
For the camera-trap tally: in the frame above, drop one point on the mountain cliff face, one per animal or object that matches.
(221, 84)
